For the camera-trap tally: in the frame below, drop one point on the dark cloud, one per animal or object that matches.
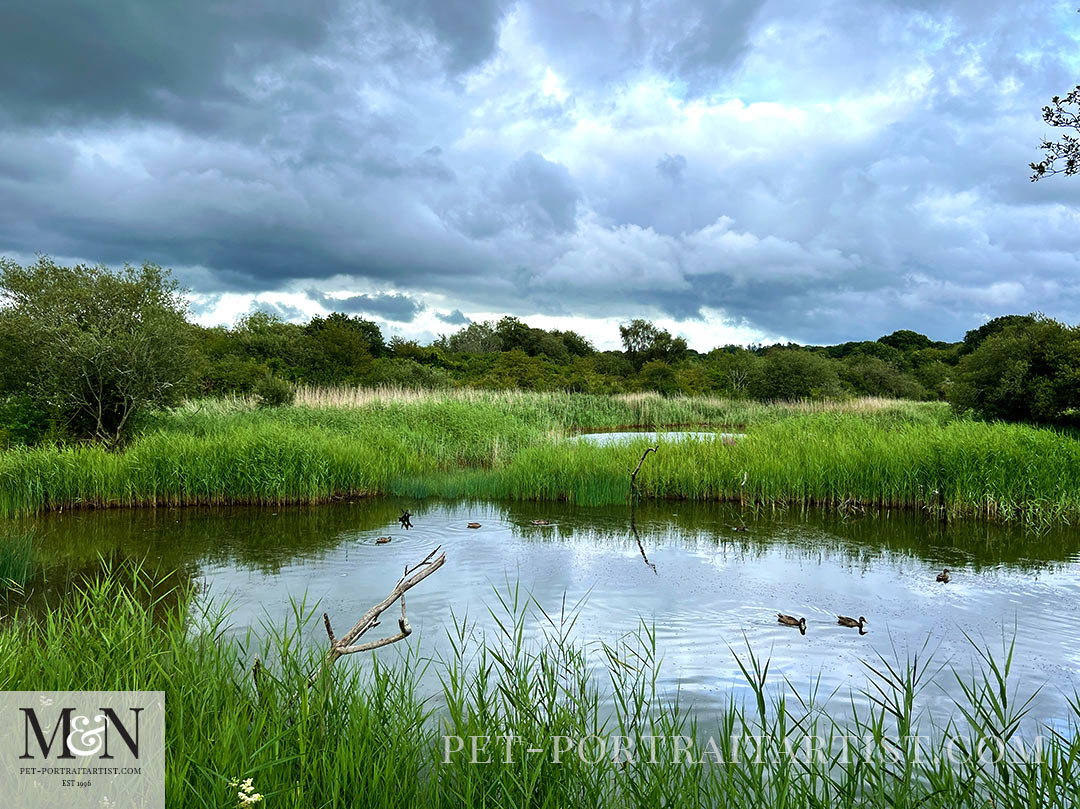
(75, 61)
(818, 160)
(543, 192)
(401, 308)
(695, 41)
(279, 310)
(468, 29)
(455, 318)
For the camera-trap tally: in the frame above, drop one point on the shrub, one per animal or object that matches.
(274, 392)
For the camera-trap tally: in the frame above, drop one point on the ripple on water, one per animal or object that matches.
(711, 595)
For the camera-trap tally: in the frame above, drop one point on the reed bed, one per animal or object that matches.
(515, 445)
(365, 735)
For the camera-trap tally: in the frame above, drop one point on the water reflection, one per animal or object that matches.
(707, 587)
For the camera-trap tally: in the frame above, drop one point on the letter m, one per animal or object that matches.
(30, 722)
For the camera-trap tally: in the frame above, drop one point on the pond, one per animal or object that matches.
(624, 436)
(708, 588)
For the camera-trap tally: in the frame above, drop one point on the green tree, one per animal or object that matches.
(905, 340)
(94, 347)
(974, 338)
(1026, 371)
(788, 374)
(644, 342)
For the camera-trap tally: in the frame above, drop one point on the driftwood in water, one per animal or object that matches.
(347, 645)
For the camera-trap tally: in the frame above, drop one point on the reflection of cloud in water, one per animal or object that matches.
(713, 589)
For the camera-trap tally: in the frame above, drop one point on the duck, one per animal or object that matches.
(843, 620)
(739, 528)
(382, 540)
(943, 576)
(540, 522)
(473, 525)
(791, 620)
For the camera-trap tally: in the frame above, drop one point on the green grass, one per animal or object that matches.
(517, 446)
(366, 737)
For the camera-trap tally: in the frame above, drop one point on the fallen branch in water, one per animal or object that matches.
(346, 644)
(633, 475)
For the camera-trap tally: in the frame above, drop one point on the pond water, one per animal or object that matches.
(708, 588)
(623, 436)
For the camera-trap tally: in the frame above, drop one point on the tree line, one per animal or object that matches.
(86, 352)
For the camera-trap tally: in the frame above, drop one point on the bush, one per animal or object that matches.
(789, 374)
(274, 392)
(1029, 370)
(98, 348)
(22, 421)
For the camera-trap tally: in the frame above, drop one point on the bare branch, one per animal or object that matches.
(346, 644)
(633, 475)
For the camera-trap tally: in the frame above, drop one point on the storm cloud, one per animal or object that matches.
(737, 170)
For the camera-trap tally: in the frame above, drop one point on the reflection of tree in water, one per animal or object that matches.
(175, 545)
(157, 590)
(258, 538)
(862, 538)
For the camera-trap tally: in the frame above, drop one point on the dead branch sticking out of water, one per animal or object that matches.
(633, 475)
(346, 644)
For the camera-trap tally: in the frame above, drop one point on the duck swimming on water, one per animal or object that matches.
(843, 620)
(943, 576)
(791, 620)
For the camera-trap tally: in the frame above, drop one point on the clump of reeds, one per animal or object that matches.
(511, 445)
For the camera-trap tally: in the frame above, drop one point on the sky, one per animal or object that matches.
(734, 170)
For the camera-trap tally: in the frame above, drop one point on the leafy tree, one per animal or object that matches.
(367, 330)
(657, 376)
(871, 376)
(905, 340)
(577, 345)
(974, 338)
(731, 370)
(476, 338)
(95, 347)
(644, 342)
(1026, 371)
(788, 374)
(408, 373)
(339, 349)
(1061, 156)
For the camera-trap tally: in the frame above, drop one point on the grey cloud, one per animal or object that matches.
(847, 159)
(467, 28)
(279, 310)
(696, 41)
(544, 193)
(672, 167)
(455, 318)
(69, 62)
(401, 308)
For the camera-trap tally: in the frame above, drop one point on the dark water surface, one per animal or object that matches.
(706, 587)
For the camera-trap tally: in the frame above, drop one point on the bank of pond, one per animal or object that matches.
(863, 454)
